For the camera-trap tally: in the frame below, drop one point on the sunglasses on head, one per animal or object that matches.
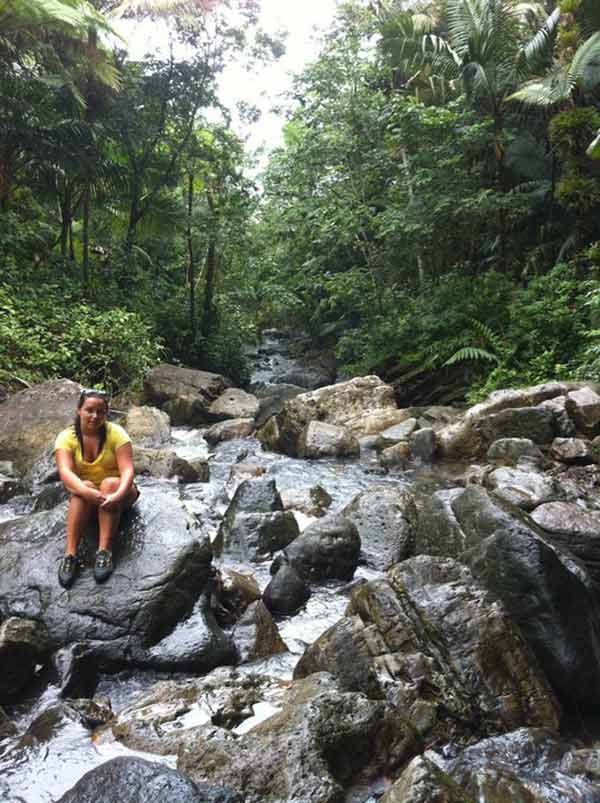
(101, 394)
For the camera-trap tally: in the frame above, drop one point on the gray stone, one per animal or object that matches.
(287, 592)
(76, 668)
(525, 489)
(185, 394)
(572, 451)
(319, 439)
(166, 463)
(327, 549)
(576, 529)
(439, 646)
(423, 444)
(229, 430)
(147, 426)
(423, 782)
(162, 561)
(312, 501)
(584, 408)
(234, 403)
(393, 435)
(509, 451)
(565, 428)
(395, 456)
(434, 529)
(31, 419)
(535, 423)
(379, 514)
(256, 635)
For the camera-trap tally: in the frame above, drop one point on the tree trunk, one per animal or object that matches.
(86, 240)
(191, 258)
(411, 197)
(71, 243)
(209, 288)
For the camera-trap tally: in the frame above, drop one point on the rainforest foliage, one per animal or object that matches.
(436, 201)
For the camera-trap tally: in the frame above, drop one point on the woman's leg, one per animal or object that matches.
(108, 520)
(77, 518)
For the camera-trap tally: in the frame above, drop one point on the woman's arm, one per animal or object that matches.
(124, 456)
(66, 470)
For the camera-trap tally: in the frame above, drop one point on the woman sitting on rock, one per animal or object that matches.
(95, 463)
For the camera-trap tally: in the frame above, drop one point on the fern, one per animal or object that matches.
(470, 353)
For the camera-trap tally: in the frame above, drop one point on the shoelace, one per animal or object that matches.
(103, 560)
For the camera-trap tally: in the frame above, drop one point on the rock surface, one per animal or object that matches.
(147, 426)
(185, 394)
(436, 644)
(229, 430)
(327, 549)
(379, 515)
(287, 592)
(166, 463)
(319, 439)
(23, 644)
(162, 561)
(31, 419)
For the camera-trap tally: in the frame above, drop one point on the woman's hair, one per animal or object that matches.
(90, 393)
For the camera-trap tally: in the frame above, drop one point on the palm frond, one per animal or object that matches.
(586, 57)
(539, 48)
(594, 149)
(548, 90)
(471, 354)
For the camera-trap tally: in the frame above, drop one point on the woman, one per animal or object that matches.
(95, 463)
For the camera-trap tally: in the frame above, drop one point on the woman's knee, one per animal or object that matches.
(109, 485)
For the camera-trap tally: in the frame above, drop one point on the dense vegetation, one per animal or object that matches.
(436, 201)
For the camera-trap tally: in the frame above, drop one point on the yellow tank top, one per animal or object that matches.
(105, 465)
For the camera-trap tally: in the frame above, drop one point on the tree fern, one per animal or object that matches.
(470, 354)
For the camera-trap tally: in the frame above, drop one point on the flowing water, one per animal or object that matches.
(43, 762)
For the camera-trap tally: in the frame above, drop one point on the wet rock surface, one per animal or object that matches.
(183, 393)
(328, 549)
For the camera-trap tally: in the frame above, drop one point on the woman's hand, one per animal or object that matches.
(111, 501)
(94, 496)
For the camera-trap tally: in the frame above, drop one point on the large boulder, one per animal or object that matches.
(574, 528)
(229, 430)
(328, 549)
(255, 523)
(136, 780)
(162, 561)
(166, 463)
(434, 642)
(287, 592)
(424, 782)
(547, 591)
(372, 422)
(321, 742)
(234, 403)
(334, 404)
(312, 501)
(434, 529)
(256, 635)
(184, 393)
(147, 426)
(525, 489)
(478, 429)
(319, 439)
(379, 515)
(31, 419)
(510, 451)
(583, 406)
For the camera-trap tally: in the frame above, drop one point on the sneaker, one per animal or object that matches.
(67, 571)
(103, 566)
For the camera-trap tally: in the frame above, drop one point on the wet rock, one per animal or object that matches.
(423, 782)
(76, 667)
(576, 529)
(162, 561)
(319, 439)
(23, 644)
(535, 423)
(234, 404)
(521, 766)
(525, 489)
(393, 435)
(334, 404)
(509, 451)
(272, 397)
(229, 430)
(395, 456)
(196, 644)
(559, 614)
(60, 716)
(583, 407)
(135, 780)
(9, 487)
(32, 418)
(565, 428)
(423, 444)
(185, 394)
(434, 529)
(147, 426)
(43, 470)
(312, 501)
(440, 647)
(173, 713)
(585, 761)
(7, 726)
(379, 515)
(50, 496)
(244, 470)
(256, 496)
(321, 742)
(235, 592)
(256, 634)
(327, 549)
(164, 463)
(572, 450)
(287, 592)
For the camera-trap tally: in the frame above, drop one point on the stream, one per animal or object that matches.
(51, 754)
